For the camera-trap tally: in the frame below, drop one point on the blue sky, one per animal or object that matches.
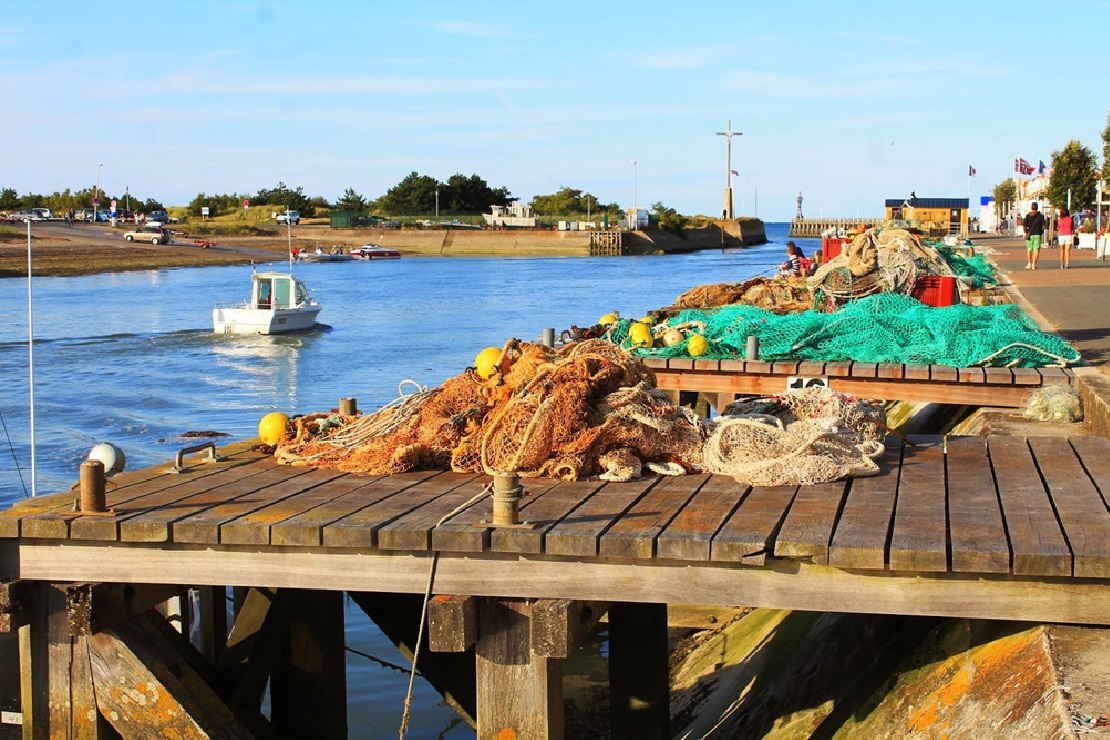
(849, 103)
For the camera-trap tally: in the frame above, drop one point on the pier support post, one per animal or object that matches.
(520, 694)
(639, 681)
(213, 621)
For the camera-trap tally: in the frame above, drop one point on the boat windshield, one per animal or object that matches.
(302, 293)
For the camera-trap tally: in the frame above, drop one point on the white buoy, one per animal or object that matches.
(113, 458)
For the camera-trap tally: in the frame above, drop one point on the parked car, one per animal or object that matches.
(22, 216)
(294, 217)
(157, 218)
(152, 234)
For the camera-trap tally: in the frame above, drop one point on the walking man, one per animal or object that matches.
(1034, 232)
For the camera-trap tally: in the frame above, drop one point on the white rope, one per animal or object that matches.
(424, 607)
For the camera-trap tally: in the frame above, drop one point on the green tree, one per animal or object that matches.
(1073, 169)
(572, 202)
(9, 199)
(461, 194)
(350, 201)
(150, 204)
(1005, 193)
(415, 194)
(282, 195)
(669, 218)
(1106, 149)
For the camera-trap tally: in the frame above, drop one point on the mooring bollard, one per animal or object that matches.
(751, 352)
(92, 486)
(549, 337)
(507, 493)
(348, 406)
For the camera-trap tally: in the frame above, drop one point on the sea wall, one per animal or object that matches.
(547, 243)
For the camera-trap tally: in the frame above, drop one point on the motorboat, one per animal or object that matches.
(279, 303)
(374, 252)
(335, 255)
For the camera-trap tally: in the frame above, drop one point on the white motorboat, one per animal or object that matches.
(335, 255)
(374, 252)
(279, 303)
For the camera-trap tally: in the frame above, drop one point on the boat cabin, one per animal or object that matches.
(275, 290)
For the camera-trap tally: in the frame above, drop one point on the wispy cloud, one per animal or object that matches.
(473, 28)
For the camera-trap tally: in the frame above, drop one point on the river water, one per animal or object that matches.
(130, 358)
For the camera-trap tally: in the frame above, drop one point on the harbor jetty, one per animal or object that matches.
(514, 572)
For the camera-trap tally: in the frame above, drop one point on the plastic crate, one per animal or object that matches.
(937, 291)
(831, 248)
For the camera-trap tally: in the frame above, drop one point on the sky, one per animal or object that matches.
(847, 103)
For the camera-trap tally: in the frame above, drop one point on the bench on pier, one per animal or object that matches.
(724, 380)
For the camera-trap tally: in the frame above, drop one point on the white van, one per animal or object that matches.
(44, 213)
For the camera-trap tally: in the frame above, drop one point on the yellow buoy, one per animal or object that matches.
(697, 345)
(649, 320)
(486, 361)
(609, 318)
(671, 337)
(639, 335)
(273, 427)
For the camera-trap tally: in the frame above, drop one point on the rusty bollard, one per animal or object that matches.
(348, 406)
(92, 486)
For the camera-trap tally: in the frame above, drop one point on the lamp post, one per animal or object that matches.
(437, 203)
(96, 204)
(727, 210)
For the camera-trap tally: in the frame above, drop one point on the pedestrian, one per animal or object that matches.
(793, 264)
(1033, 223)
(1065, 228)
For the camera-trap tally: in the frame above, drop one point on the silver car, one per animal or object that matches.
(152, 234)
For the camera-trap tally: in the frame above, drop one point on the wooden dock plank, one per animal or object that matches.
(999, 375)
(864, 369)
(462, 533)
(202, 524)
(1095, 455)
(943, 374)
(784, 367)
(709, 366)
(916, 372)
(360, 528)
(838, 369)
(976, 531)
(545, 511)
(1055, 376)
(578, 533)
(1079, 506)
(1026, 376)
(689, 535)
(811, 369)
(971, 375)
(748, 535)
(633, 536)
(253, 527)
(919, 540)
(412, 531)
(808, 528)
(1036, 542)
(863, 530)
(733, 366)
(890, 371)
(307, 529)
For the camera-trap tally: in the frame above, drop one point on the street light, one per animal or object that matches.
(437, 202)
(96, 190)
(635, 199)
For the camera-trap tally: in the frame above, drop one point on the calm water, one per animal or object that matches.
(130, 358)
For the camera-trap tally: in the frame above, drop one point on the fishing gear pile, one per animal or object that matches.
(588, 409)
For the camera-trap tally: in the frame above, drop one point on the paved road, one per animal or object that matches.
(1074, 302)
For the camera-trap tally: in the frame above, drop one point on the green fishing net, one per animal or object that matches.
(882, 328)
(975, 271)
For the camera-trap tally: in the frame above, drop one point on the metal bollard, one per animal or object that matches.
(92, 486)
(507, 493)
(348, 406)
(549, 337)
(751, 352)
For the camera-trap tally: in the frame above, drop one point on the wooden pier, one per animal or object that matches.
(723, 380)
(997, 527)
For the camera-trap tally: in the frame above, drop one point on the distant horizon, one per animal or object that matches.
(837, 102)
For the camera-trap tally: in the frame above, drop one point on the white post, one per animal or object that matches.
(96, 206)
(31, 356)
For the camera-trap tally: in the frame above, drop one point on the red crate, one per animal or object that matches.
(831, 248)
(936, 291)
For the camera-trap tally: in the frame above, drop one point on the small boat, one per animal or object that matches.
(279, 303)
(374, 252)
(335, 255)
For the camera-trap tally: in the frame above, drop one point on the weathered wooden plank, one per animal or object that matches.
(360, 529)
(758, 367)
(689, 536)
(710, 366)
(999, 375)
(307, 529)
(1036, 542)
(864, 528)
(890, 370)
(838, 369)
(633, 536)
(654, 362)
(784, 367)
(462, 533)
(808, 528)
(1055, 376)
(810, 369)
(747, 535)
(279, 482)
(1026, 376)
(559, 625)
(976, 532)
(916, 372)
(971, 375)
(680, 363)
(1094, 452)
(943, 373)
(733, 366)
(919, 539)
(253, 527)
(1082, 512)
(864, 369)
(543, 511)
(578, 533)
(412, 530)
(452, 623)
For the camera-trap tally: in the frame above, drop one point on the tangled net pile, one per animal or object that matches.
(975, 271)
(887, 327)
(589, 408)
(781, 294)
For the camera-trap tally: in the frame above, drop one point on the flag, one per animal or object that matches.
(735, 172)
(1023, 167)
(970, 171)
(1040, 169)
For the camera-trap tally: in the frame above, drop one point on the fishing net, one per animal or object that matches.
(781, 294)
(589, 408)
(798, 438)
(976, 271)
(882, 328)
(1054, 403)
